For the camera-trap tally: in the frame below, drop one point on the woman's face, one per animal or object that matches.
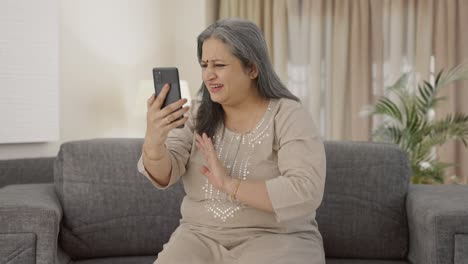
(226, 80)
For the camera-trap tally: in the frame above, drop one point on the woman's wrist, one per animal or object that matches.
(232, 188)
(154, 155)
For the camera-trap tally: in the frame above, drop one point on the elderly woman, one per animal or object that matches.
(251, 160)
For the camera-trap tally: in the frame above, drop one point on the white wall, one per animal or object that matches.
(106, 48)
(29, 62)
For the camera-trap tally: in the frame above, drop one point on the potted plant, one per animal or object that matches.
(408, 120)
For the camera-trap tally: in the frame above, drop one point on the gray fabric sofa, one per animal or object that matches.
(100, 210)
(31, 170)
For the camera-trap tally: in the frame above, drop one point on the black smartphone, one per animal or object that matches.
(169, 75)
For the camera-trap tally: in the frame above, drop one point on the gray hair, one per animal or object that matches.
(246, 42)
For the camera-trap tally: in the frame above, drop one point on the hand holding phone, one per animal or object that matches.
(168, 75)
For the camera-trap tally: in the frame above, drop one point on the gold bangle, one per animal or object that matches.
(234, 194)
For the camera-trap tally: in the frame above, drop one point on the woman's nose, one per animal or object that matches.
(209, 74)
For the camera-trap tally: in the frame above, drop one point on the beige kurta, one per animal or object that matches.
(286, 151)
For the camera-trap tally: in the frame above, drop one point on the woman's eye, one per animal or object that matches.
(203, 65)
(220, 65)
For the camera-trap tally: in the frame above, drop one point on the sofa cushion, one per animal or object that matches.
(438, 222)
(461, 248)
(29, 170)
(109, 208)
(363, 210)
(18, 248)
(32, 210)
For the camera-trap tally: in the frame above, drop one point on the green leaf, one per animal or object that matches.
(406, 122)
(401, 83)
(388, 108)
(437, 79)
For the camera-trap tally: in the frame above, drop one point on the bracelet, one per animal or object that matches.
(234, 194)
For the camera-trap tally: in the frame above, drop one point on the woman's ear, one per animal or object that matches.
(253, 71)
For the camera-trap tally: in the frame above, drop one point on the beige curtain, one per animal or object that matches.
(351, 76)
(354, 49)
(450, 48)
(330, 65)
(427, 36)
(271, 17)
(305, 55)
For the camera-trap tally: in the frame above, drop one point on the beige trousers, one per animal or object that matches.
(186, 246)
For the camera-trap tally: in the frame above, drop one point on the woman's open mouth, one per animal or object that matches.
(214, 88)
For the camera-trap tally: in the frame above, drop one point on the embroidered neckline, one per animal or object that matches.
(260, 124)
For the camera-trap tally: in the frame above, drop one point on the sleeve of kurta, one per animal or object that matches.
(179, 144)
(298, 190)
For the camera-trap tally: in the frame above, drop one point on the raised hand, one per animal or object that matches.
(214, 170)
(160, 121)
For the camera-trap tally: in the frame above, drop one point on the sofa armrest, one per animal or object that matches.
(29, 223)
(438, 223)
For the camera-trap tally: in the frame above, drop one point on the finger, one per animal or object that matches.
(177, 114)
(164, 124)
(199, 142)
(199, 145)
(205, 142)
(198, 138)
(204, 170)
(150, 101)
(208, 144)
(178, 122)
(161, 96)
(174, 117)
(202, 151)
(169, 109)
(204, 137)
